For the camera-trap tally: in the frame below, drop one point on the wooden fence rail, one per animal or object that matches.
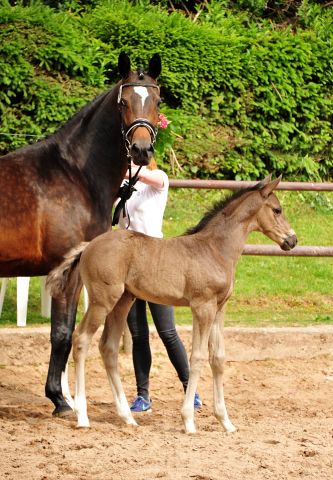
(268, 250)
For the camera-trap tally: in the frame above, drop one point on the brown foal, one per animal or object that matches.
(196, 270)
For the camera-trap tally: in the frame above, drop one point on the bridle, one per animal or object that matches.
(125, 192)
(139, 122)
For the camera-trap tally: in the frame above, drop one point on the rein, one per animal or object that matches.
(125, 192)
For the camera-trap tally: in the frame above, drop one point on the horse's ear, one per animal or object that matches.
(267, 189)
(124, 65)
(155, 66)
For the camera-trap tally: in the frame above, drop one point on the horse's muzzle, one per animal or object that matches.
(141, 154)
(289, 243)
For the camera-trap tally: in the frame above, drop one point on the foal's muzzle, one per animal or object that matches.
(289, 243)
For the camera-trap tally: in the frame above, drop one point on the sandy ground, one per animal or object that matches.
(283, 411)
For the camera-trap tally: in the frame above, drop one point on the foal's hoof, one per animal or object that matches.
(61, 412)
(230, 429)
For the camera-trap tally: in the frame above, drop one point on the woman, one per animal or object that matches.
(145, 210)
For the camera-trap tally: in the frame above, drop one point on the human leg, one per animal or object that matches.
(138, 325)
(164, 320)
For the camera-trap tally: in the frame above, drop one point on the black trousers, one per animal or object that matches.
(163, 316)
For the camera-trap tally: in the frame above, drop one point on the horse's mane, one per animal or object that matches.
(85, 112)
(218, 207)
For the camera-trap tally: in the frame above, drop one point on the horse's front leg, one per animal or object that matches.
(216, 360)
(63, 314)
(65, 387)
(203, 317)
(109, 348)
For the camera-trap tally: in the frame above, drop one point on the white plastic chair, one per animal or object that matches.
(22, 299)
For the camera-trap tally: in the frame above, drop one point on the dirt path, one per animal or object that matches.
(283, 410)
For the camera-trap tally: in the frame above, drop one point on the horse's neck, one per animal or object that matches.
(92, 146)
(229, 234)
(87, 139)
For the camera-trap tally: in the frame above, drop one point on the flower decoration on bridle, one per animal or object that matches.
(162, 121)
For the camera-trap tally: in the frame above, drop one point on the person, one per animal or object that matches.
(144, 213)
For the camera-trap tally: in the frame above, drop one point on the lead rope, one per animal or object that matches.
(125, 192)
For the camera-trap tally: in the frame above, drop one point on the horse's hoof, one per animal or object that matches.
(61, 412)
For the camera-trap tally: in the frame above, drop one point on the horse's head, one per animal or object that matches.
(139, 107)
(271, 219)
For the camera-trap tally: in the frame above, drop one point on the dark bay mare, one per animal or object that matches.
(196, 270)
(59, 191)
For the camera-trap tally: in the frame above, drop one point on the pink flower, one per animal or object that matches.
(163, 121)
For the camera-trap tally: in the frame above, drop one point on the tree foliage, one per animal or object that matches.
(246, 95)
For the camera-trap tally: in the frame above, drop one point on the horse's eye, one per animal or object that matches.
(122, 101)
(277, 211)
(159, 102)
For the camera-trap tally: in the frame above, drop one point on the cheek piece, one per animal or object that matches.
(139, 122)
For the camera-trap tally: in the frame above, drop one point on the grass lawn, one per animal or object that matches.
(269, 291)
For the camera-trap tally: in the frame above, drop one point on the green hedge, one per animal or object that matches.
(249, 97)
(46, 74)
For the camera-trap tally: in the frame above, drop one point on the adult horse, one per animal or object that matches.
(196, 270)
(59, 191)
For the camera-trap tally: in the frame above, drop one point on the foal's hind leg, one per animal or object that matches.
(82, 337)
(109, 348)
(216, 360)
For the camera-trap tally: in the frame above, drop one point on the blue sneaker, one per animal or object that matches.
(140, 404)
(197, 401)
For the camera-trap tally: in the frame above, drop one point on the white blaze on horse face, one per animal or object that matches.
(143, 92)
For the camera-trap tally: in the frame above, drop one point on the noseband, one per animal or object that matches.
(139, 122)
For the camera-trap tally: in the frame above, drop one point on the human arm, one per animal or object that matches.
(149, 177)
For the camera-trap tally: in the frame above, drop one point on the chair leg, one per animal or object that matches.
(2, 293)
(46, 298)
(85, 299)
(22, 300)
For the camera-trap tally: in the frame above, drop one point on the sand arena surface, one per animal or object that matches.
(283, 411)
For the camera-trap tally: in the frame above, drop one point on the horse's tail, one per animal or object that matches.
(58, 278)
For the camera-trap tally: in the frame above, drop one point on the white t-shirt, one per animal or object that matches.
(146, 208)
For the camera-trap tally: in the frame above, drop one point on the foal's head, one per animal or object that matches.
(139, 106)
(270, 218)
(259, 207)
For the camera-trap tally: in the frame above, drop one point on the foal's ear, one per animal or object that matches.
(155, 66)
(124, 65)
(267, 189)
(266, 179)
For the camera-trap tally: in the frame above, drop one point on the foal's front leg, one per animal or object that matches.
(109, 348)
(216, 360)
(203, 317)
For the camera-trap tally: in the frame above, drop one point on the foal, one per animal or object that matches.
(196, 270)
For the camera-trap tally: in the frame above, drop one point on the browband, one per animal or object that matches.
(135, 84)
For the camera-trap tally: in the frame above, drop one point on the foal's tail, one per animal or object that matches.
(58, 278)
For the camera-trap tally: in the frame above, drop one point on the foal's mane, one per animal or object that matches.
(218, 207)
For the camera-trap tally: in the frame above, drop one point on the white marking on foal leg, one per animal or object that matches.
(109, 348)
(143, 92)
(65, 387)
(80, 402)
(216, 360)
(220, 410)
(122, 406)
